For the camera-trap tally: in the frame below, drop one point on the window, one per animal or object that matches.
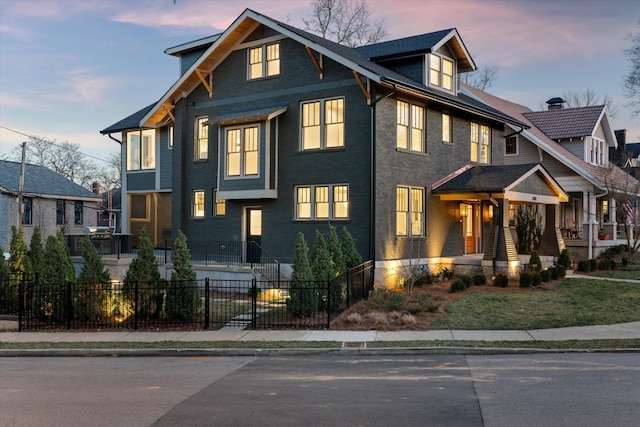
(170, 137)
(242, 151)
(446, 128)
(219, 205)
(60, 208)
(409, 211)
(597, 154)
(77, 212)
(197, 210)
(441, 72)
(139, 206)
(479, 143)
(201, 144)
(511, 145)
(264, 61)
(141, 150)
(322, 202)
(27, 213)
(410, 126)
(323, 124)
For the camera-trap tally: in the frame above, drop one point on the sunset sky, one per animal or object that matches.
(70, 68)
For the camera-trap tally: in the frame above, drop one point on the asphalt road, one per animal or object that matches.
(524, 390)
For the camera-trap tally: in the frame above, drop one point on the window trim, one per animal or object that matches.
(322, 124)
(198, 139)
(516, 145)
(410, 126)
(312, 203)
(197, 207)
(139, 164)
(264, 61)
(479, 144)
(410, 211)
(242, 153)
(441, 71)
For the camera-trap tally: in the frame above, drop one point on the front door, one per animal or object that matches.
(254, 234)
(471, 228)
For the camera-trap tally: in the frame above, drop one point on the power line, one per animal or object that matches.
(50, 142)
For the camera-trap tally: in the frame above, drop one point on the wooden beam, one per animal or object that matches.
(362, 86)
(203, 75)
(317, 64)
(169, 109)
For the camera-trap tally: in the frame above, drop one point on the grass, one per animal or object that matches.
(619, 274)
(576, 302)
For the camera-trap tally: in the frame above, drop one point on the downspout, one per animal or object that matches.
(513, 134)
(372, 190)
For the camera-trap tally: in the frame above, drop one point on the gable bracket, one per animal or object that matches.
(363, 88)
(318, 63)
(169, 109)
(204, 76)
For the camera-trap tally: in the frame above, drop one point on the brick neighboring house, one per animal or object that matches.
(574, 145)
(270, 131)
(50, 201)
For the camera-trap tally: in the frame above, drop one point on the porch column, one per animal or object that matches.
(500, 254)
(613, 217)
(552, 241)
(589, 221)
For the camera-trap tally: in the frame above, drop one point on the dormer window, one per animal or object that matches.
(264, 61)
(441, 72)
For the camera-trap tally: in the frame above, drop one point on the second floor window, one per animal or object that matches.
(198, 204)
(441, 72)
(141, 150)
(264, 61)
(409, 211)
(322, 202)
(78, 211)
(201, 143)
(323, 124)
(597, 155)
(511, 145)
(27, 213)
(242, 151)
(446, 128)
(60, 210)
(410, 127)
(480, 148)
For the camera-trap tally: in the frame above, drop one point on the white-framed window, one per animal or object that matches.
(410, 126)
(446, 128)
(597, 155)
(320, 202)
(242, 148)
(441, 72)
(480, 143)
(219, 205)
(201, 140)
(263, 61)
(141, 150)
(197, 205)
(170, 131)
(409, 211)
(511, 145)
(322, 124)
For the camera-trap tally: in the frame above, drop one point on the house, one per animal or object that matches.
(109, 214)
(574, 145)
(270, 131)
(50, 202)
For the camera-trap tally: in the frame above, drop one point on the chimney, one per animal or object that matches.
(95, 187)
(556, 103)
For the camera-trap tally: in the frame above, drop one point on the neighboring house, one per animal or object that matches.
(574, 145)
(632, 162)
(109, 214)
(50, 202)
(270, 131)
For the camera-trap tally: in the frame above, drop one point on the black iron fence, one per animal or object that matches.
(180, 305)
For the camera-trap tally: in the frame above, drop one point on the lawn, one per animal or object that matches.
(576, 302)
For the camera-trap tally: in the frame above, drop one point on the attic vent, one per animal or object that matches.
(555, 103)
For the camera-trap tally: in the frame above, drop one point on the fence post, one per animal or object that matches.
(328, 303)
(279, 275)
(348, 290)
(206, 303)
(254, 303)
(165, 251)
(21, 302)
(69, 304)
(136, 307)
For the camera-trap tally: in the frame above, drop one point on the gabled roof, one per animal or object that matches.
(568, 122)
(128, 123)
(420, 44)
(346, 56)
(633, 150)
(41, 181)
(596, 175)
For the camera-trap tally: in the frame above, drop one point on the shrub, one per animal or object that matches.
(584, 266)
(425, 279)
(93, 286)
(604, 264)
(396, 301)
(554, 272)
(562, 272)
(183, 299)
(594, 264)
(447, 274)
(535, 264)
(526, 279)
(545, 275)
(144, 268)
(303, 298)
(536, 279)
(625, 261)
(564, 259)
(458, 286)
(479, 279)
(467, 280)
(501, 280)
(335, 249)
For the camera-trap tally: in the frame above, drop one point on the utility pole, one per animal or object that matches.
(21, 185)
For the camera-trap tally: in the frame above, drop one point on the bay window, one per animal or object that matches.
(141, 150)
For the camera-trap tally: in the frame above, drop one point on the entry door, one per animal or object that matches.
(471, 228)
(254, 234)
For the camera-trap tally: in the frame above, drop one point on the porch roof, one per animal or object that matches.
(528, 183)
(249, 115)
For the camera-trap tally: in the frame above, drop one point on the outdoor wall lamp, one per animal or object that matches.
(463, 210)
(490, 211)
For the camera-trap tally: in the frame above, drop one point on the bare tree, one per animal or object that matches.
(590, 97)
(631, 81)
(481, 79)
(347, 22)
(110, 175)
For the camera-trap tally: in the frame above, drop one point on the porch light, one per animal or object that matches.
(490, 211)
(463, 210)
